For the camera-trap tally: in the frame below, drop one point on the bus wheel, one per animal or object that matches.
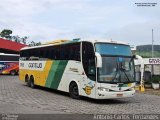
(73, 91)
(32, 82)
(28, 82)
(13, 72)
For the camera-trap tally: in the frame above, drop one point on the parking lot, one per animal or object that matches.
(17, 98)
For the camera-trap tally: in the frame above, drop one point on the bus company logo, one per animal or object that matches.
(35, 65)
(73, 69)
(88, 88)
(154, 60)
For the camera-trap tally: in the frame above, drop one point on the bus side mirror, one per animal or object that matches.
(99, 60)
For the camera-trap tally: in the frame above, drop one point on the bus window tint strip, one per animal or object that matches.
(56, 52)
(9, 58)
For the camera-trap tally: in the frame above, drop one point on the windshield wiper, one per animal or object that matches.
(122, 69)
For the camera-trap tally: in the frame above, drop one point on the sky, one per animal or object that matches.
(48, 20)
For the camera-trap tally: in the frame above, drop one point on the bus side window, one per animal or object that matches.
(62, 52)
(23, 54)
(74, 52)
(41, 55)
(15, 58)
(56, 53)
(52, 54)
(77, 52)
(46, 53)
(66, 52)
(49, 53)
(37, 52)
(88, 60)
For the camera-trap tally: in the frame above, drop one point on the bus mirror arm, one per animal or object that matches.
(99, 60)
(134, 56)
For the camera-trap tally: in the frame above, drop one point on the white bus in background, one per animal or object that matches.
(96, 69)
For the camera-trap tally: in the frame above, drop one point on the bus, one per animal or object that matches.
(9, 63)
(96, 69)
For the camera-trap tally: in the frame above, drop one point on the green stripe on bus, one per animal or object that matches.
(58, 74)
(122, 85)
(52, 73)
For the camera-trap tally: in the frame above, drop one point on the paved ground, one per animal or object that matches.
(16, 97)
(151, 91)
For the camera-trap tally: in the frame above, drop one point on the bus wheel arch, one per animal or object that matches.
(74, 90)
(32, 85)
(26, 78)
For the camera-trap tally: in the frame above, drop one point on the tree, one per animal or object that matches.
(16, 38)
(32, 43)
(39, 43)
(6, 33)
(24, 39)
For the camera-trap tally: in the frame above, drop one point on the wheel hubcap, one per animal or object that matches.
(75, 91)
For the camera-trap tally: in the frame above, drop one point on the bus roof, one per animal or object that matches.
(59, 42)
(55, 41)
(105, 41)
(4, 54)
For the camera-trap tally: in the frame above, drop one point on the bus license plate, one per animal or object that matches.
(119, 95)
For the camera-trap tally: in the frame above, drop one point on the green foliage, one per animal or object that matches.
(156, 79)
(34, 43)
(148, 54)
(6, 33)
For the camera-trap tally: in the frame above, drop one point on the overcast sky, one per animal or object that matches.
(47, 20)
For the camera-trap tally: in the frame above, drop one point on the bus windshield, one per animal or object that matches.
(117, 64)
(113, 49)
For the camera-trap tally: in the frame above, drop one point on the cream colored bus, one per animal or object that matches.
(97, 69)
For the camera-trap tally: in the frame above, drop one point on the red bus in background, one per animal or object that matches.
(9, 63)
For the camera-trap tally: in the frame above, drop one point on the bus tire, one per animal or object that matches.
(73, 90)
(13, 72)
(27, 80)
(28, 83)
(32, 82)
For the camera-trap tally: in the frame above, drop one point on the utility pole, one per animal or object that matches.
(152, 45)
(152, 52)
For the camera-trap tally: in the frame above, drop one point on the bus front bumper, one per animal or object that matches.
(114, 95)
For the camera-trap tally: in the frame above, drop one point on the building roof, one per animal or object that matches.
(8, 46)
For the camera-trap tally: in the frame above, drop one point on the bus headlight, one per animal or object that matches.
(103, 89)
